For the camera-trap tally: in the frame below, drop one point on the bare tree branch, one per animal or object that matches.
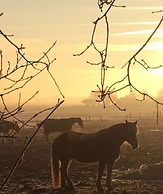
(19, 159)
(109, 90)
(22, 66)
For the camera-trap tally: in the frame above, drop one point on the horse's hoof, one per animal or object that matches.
(68, 190)
(108, 190)
(58, 190)
(101, 190)
(71, 190)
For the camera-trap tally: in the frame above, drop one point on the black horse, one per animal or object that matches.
(61, 125)
(102, 146)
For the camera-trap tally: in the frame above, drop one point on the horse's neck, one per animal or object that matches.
(72, 121)
(116, 133)
(121, 135)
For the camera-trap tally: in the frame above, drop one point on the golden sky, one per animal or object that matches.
(38, 24)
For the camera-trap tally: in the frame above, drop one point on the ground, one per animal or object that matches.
(33, 175)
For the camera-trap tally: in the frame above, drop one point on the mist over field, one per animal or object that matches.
(89, 109)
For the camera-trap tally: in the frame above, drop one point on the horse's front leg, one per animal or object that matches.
(110, 165)
(101, 168)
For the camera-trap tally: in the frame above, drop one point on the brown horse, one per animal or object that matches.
(102, 146)
(61, 125)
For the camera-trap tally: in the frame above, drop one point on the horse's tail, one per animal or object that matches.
(55, 168)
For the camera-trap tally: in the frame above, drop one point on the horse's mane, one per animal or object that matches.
(112, 128)
(64, 119)
(72, 118)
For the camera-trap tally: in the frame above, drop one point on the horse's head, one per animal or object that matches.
(80, 122)
(131, 131)
(16, 126)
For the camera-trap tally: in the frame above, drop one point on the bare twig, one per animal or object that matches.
(22, 66)
(103, 92)
(19, 159)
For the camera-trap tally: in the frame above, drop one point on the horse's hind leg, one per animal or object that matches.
(65, 180)
(4, 140)
(6, 136)
(101, 168)
(110, 165)
(46, 137)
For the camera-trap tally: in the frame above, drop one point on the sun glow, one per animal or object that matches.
(155, 71)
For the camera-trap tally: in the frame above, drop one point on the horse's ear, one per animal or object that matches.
(135, 122)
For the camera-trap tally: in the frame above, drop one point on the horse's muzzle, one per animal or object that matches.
(135, 146)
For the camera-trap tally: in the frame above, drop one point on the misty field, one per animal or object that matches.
(137, 171)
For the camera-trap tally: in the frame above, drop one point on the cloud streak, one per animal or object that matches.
(145, 8)
(136, 23)
(140, 32)
(153, 46)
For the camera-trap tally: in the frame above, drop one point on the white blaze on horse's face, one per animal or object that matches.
(131, 137)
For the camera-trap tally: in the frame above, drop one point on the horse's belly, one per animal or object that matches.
(86, 159)
(86, 155)
(91, 156)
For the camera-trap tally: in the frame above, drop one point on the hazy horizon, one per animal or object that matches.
(38, 26)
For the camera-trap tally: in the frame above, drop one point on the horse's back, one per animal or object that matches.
(76, 138)
(84, 147)
(54, 125)
(6, 126)
(72, 145)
